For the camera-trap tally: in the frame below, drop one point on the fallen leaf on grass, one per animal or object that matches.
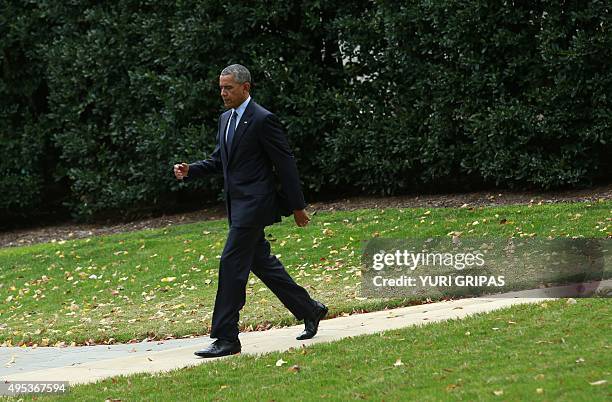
(600, 382)
(498, 392)
(294, 369)
(398, 363)
(280, 362)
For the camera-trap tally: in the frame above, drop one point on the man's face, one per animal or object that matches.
(233, 93)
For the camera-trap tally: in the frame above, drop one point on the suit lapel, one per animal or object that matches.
(243, 124)
(223, 128)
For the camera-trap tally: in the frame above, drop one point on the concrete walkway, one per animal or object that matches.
(86, 364)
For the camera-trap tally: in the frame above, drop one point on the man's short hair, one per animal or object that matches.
(241, 73)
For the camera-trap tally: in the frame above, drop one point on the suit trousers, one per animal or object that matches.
(247, 249)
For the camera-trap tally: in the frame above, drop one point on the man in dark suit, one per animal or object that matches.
(251, 147)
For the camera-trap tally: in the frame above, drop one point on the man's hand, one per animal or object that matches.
(301, 218)
(181, 170)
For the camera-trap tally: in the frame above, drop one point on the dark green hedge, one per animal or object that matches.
(24, 137)
(510, 95)
(381, 97)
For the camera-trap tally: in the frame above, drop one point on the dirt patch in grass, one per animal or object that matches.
(71, 230)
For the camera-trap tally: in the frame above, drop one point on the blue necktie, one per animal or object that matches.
(230, 132)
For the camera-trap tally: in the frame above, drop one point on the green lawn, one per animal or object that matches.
(161, 283)
(555, 351)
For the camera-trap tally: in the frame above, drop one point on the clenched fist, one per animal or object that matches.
(181, 170)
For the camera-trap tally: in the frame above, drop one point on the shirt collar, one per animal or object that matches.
(240, 109)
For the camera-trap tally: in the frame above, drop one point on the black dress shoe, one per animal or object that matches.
(219, 348)
(311, 325)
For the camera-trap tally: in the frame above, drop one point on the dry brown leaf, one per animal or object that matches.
(294, 369)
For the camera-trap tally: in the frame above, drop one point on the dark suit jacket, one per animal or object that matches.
(260, 154)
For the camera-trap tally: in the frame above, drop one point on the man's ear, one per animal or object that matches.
(247, 86)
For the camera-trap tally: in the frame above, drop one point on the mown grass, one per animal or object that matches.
(161, 283)
(555, 351)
